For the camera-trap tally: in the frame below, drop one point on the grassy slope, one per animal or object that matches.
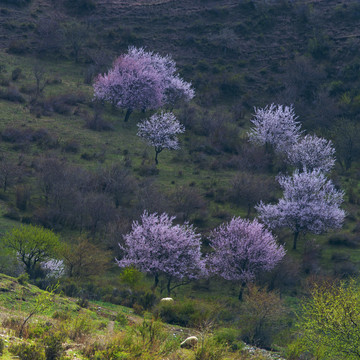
(265, 40)
(193, 32)
(103, 326)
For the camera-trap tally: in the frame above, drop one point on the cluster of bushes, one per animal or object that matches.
(42, 137)
(12, 93)
(17, 2)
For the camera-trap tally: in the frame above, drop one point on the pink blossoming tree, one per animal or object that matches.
(142, 80)
(310, 203)
(158, 247)
(241, 249)
(161, 132)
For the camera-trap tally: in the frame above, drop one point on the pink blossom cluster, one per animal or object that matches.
(310, 203)
(276, 125)
(142, 80)
(241, 249)
(157, 246)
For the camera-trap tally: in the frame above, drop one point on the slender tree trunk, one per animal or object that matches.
(249, 210)
(156, 281)
(127, 115)
(242, 288)
(5, 184)
(157, 152)
(296, 235)
(168, 286)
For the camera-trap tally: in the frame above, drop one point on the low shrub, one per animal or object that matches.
(53, 346)
(339, 257)
(148, 170)
(184, 313)
(263, 315)
(130, 276)
(13, 94)
(12, 323)
(44, 139)
(343, 240)
(210, 350)
(230, 337)
(22, 197)
(14, 135)
(121, 319)
(37, 330)
(71, 146)
(12, 214)
(147, 300)
(79, 327)
(83, 302)
(17, 2)
(23, 279)
(97, 123)
(26, 351)
(61, 315)
(345, 269)
(18, 47)
(80, 6)
(16, 73)
(138, 309)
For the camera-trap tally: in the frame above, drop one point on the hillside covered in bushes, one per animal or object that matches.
(81, 189)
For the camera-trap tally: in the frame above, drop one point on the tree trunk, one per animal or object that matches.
(249, 210)
(296, 235)
(157, 152)
(168, 286)
(242, 288)
(127, 115)
(156, 281)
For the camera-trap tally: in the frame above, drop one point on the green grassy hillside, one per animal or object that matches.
(96, 330)
(73, 165)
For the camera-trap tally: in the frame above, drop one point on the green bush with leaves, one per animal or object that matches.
(184, 313)
(263, 315)
(53, 346)
(329, 325)
(230, 337)
(130, 276)
(25, 351)
(33, 245)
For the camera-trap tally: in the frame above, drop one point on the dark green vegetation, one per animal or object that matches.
(71, 165)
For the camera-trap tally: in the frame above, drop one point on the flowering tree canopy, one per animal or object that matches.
(160, 131)
(310, 203)
(157, 247)
(242, 248)
(275, 125)
(142, 80)
(312, 152)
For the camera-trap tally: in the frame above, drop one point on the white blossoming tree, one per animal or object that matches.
(310, 203)
(312, 152)
(275, 125)
(161, 131)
